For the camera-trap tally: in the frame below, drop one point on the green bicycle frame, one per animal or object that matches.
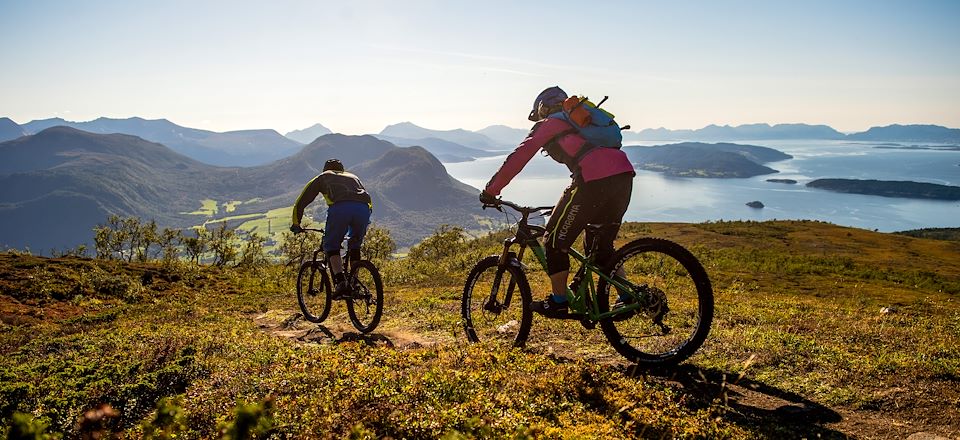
(578, 299)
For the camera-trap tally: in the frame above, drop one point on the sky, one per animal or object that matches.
(357, 66)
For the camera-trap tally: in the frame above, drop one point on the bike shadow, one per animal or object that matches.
(749, 402)
(371, 339)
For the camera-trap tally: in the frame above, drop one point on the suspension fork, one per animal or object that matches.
(492, 304)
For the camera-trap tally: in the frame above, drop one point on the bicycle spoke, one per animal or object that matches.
(670, 300)
(488, 316)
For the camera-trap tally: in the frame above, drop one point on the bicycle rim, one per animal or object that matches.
(313, 292)
(675, 297)
(366, 308)
(496, 304)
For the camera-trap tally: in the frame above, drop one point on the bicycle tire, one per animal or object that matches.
(313, 291)
(492, 324)
(363, 274)
(671, 276)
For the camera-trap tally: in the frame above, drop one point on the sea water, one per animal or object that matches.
(660, 198)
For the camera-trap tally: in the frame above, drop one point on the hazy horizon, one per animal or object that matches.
(333, 130)
(359, 67)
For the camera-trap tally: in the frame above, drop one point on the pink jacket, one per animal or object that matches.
(596, 165)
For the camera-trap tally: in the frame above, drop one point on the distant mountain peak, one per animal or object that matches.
(10, 130)
(460, 136)
(309, 134)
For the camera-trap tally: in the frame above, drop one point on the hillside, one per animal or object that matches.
(444, 150)
(694, 159)
(820, 332)
(409, 130)
(739, 133)
(504, 135)
(96, 175)
(10, 130)
(909, 133)
(232, 148)
(309, 134)
(888, 188)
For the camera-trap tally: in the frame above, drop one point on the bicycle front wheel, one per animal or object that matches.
(313, 291)
(496, 304)
(674, 297)
(366, 306)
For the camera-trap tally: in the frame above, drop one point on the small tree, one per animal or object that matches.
(130, 227)
(444, 242)
(294, 248)
(378, 244)
(103, 242)
(252, 256)
(197, 245)
(221, 244)
(148, 237)
(168, 242)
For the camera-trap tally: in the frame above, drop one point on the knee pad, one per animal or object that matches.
(557, 261)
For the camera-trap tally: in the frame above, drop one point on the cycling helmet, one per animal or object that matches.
(333, 165)
(548, 97)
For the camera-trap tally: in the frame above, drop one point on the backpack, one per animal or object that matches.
(595, 124)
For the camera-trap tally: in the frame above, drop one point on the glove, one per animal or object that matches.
(488, 199)
(296, 229)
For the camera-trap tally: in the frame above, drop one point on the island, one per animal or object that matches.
(787, 181)
(889, 188)
(696, 159)
(755, 204)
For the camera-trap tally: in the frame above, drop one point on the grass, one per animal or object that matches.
(857, 329)
(208, 208)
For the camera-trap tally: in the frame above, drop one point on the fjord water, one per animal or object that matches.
(660, 198)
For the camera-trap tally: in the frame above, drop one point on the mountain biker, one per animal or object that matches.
(602, 181)
(348, 210)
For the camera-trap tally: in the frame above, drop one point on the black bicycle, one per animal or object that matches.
(653, 301)
(364, 303)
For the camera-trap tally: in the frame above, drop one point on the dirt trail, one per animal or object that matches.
(291, 325)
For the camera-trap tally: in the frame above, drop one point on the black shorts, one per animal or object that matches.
(601, 201)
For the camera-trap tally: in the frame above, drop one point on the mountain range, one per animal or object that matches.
(231, 148)
(56, 185)
(259, 147)
(738, 133)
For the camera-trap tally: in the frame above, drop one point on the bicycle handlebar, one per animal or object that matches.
(312, 230)
(518, 208)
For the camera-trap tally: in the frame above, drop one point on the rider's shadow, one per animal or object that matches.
(321, 332)
(750, 402)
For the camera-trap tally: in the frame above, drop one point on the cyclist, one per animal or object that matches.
(602, 181)
(348, 211)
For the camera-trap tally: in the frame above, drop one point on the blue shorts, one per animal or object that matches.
(343, 218)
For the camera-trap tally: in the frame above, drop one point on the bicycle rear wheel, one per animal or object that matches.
(675, 297)
(496, 304)
(313, 291)
(366, 306)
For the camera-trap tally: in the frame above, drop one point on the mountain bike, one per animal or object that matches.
(653, 301)
(365, 302)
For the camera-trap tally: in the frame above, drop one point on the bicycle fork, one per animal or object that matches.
(492, 304)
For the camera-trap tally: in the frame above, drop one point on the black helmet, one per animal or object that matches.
(550, 96)
(333, 164)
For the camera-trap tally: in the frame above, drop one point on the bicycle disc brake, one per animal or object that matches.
(493, 306)
(657, 307)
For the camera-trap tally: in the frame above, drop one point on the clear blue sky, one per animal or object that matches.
(356, 66)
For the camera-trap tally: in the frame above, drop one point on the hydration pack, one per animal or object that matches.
(595, 124)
